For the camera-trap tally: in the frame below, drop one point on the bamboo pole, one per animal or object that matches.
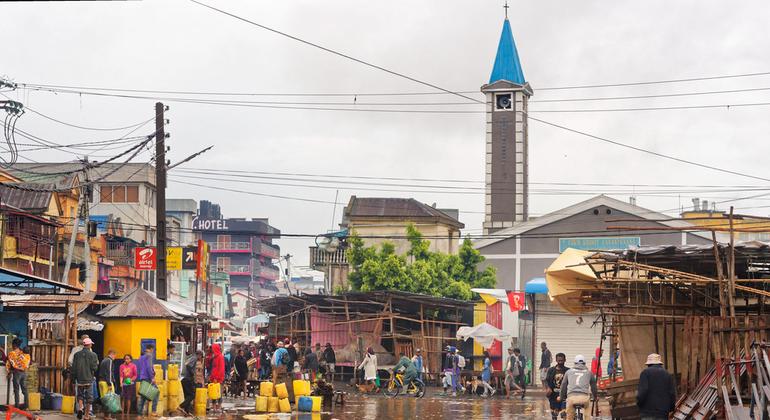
(720, 274)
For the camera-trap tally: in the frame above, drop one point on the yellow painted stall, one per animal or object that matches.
(135, 317)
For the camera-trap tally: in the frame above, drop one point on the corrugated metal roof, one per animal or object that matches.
(507, 65)
(126, 172)
(390, 207)
(27, 199)
(138, 303)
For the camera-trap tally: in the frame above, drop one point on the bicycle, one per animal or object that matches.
(396, 384)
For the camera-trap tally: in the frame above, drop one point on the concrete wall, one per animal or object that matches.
(388, 230)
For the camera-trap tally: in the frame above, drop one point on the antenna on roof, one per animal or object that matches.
(506, 9)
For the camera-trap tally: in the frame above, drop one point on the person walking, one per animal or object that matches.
(241, 372)
(84, 366)
(217, 373)
(418, 363)
(146, 374)
(486, 376)
(310, 364)
(656, 393)
(128, 377)
(369, 366)
(553, 380)
(331, 361)
(578, 386)
(280, 362)
(191, 379)
(596, 364)
(511, 373)
(520, 369)
(17, 363)
(545, 362)
(105, 374)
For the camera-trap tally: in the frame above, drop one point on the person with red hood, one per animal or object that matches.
(217, 375)
(596, 365)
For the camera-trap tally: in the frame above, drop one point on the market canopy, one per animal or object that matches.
(568, 277)
(483, 334)
(536, 286)
(18, 283)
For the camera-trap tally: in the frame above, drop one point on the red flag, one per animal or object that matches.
(516, 300)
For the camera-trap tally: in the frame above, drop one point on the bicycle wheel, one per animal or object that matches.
(419, 389)
(392, 389)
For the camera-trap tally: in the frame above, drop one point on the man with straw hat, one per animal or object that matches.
(656, 395)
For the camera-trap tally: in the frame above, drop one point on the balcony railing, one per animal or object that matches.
(234, 269)
(230, 246)
(121, 253)
(319, 257)
(267, 250)
(269, 272)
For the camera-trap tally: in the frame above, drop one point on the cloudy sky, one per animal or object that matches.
(178, 45)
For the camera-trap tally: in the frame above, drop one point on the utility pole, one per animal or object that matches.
(87, 190)
(161, 290)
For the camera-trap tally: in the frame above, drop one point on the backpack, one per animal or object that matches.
(460, 361)
(285, 358)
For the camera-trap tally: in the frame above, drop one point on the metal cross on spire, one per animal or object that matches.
(506, 9)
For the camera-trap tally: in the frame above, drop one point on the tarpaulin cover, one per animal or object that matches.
(483, 334)
(568, 277)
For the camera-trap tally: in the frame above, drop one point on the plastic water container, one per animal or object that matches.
(174, 388)
(305, 404)
(34, 401)
(260, 404)
(162, 388)
(281, 391)
(68, 404)
(172, 402)
(56, 400)
(266, 389)
(200, 410)
(284, 406)
(317, 401)
(201, 396)
(158, 372)
(173, 372)
(272, 404)
(301, 387)
(215, 391)
(104, 388)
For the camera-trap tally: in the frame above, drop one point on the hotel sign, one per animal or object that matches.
(599, 243)
(210, 224)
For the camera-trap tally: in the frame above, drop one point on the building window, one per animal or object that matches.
(223, 263)
(119, 194)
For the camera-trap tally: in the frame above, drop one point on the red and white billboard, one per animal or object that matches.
(145, 258)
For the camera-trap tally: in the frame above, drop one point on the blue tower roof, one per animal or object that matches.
(507, 64)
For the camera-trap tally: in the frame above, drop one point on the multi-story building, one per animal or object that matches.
(179, 221)
(703, 215)
(242, 248)
(377, 220)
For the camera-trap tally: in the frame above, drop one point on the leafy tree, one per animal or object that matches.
(420, 270)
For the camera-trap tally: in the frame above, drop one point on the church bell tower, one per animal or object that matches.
(506, 178)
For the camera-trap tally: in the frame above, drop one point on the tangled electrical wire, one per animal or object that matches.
(14, 110)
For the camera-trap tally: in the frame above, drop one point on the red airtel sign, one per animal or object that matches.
(145, 258)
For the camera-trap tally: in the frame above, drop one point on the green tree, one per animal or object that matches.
(420, 270)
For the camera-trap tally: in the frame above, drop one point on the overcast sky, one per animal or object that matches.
(178, 45)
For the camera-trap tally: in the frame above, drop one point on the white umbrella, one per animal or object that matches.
(483, 334)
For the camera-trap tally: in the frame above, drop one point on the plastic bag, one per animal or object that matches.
(111, 402)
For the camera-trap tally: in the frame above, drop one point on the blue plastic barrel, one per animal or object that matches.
(305, 404)
(56, 402)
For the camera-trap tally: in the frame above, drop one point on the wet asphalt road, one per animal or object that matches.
(365, 407)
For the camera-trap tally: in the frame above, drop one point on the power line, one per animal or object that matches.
(663, 95)
(38, 86)
(84, 127)
(650, 152)
(337, 53)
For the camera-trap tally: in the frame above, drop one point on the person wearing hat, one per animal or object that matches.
(577, 388)
(656, 393)
(418, 363)
(84, 366)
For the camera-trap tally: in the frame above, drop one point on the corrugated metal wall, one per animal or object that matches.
(324, 330)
